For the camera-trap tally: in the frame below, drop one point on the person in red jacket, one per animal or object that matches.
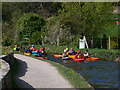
(79, 55)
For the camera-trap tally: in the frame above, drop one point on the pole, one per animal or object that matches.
(92, 43)
(101, 43)
(109, 42)
(58, 41)
(85, 41)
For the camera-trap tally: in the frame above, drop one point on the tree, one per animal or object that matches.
(87, 18)
(28, 24)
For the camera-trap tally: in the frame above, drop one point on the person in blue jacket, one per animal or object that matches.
(28, 49)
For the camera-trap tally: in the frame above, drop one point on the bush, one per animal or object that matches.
(28, 24)
(6, 42)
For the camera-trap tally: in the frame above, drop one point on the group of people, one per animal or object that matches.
(77, 54)
(41, 52)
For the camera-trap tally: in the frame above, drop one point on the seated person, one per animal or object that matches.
(42, 52)
(66, 50)
(28, 50)
(71, 52)
(32, 48)
(86, 54)
(64, 54)
(79, 55)
(16, 48)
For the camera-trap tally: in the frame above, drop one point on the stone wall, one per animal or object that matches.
(7, 62)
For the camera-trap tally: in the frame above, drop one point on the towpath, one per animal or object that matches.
(35, 73)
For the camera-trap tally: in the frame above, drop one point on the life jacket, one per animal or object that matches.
(32, 49)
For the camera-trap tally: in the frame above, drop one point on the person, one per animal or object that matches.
(71, 52)
(42, 52)
(66, 50)
(64, 54)
(86, 54)
(32, 48)
(16, 48)
(79, 55)
(28, 50)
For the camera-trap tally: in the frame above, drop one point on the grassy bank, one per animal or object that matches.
(104, 54)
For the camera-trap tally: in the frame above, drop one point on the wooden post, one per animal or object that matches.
(109, 42)
(101, 43)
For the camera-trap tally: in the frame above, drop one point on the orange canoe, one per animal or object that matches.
(57, 56)
(71, 56)
(92, 59)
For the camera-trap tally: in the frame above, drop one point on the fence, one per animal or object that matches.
(104, 43)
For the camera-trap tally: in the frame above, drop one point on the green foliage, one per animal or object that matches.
(28, 24)
(87, 18)
(64, 41)
(113, 43)
(36, 37)
(7, 42)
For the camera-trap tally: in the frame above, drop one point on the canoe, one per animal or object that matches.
(27, 53)
(92, 59)
(57, 56)
(66, 58)
(35, 54)
(42, 57)
(78, 59)
(71, 56)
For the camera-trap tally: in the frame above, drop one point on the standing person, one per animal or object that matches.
(86, 54)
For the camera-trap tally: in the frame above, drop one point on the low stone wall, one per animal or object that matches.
(5, 79)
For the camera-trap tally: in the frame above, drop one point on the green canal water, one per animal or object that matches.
(100, 74)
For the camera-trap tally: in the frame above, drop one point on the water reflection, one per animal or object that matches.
(100, 74)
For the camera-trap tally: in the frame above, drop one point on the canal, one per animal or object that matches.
(100, 74)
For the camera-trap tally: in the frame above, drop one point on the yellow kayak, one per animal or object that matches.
(71, 56)
(27, 53)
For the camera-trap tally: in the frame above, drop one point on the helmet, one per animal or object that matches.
(79, 51)
(66, 48)
(41, 49)
(36, 50)
(33, 45)
(28, 46)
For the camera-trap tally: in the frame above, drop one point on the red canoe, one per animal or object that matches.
(42, 57)
(78, 59)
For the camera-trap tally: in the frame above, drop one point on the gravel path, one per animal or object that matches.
(34, 73)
